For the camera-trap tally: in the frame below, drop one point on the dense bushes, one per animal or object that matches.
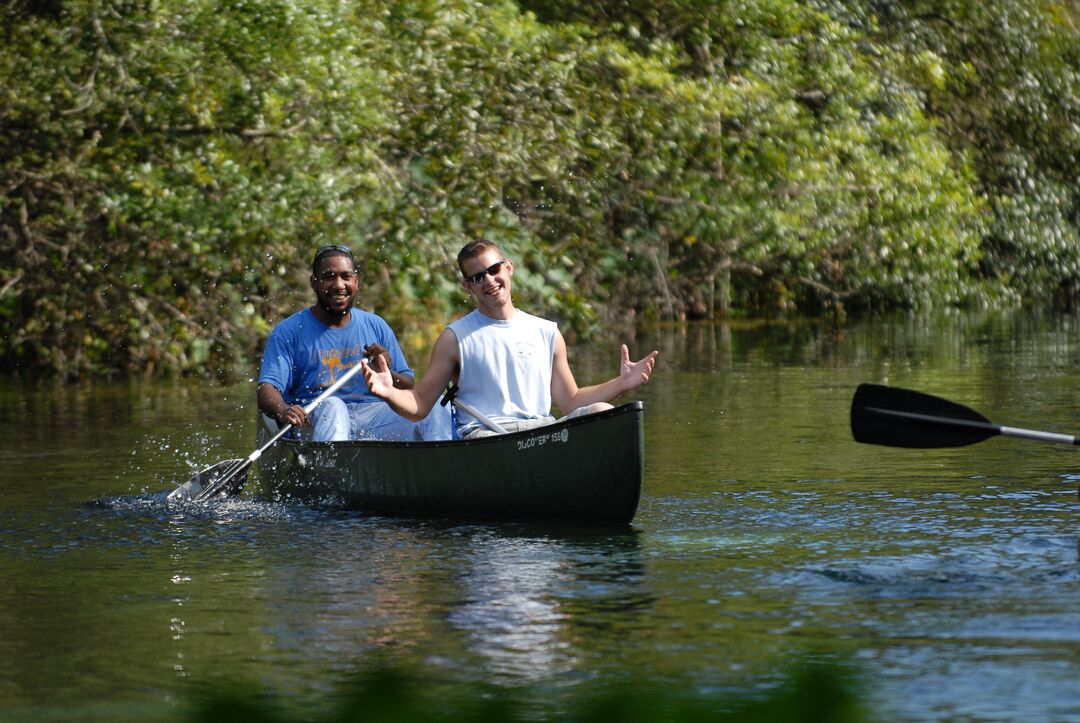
(166, 168)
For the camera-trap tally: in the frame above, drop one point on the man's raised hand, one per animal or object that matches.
(380, 381)
(634, 374)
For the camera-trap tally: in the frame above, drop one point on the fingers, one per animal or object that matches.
(369, 374)
(650, 363)
(377, 379)
(375, 365)
(646, 369)
(641, 369)
(295, 416)
(650, 360)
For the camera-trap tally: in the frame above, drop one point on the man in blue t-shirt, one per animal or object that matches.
(310, 350)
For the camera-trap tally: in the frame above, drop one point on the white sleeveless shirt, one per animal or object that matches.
(505, 367)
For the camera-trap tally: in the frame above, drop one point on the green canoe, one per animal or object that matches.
(586, 469)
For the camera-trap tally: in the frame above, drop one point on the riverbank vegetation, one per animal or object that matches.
(167, 168)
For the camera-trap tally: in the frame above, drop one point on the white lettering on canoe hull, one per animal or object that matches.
(539, 440)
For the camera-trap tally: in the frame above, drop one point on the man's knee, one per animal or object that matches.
(590, 409)
(330, 408)
(331, 420)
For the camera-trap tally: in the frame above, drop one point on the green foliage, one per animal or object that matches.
(1004, 80)
(781, 164)
(157, 159)
(166, 168)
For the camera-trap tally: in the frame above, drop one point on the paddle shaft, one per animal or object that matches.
(450, 397)
(222, 481)
(986, 427)
(486, 421)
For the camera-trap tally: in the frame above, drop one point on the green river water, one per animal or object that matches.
(948, 580)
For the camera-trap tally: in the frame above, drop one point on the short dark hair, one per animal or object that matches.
(472, 250)
(331, 250)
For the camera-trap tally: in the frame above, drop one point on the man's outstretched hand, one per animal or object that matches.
(380, 381)
(634, 374)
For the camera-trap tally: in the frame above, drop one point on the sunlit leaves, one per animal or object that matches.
(1003, 78)
(187, 145)
(173, 164)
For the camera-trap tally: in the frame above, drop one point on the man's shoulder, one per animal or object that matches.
(361, 318)
(530, 323)
(527, 318)
(469, 319)
(363, 315)
(294, 321)
(304, 318)
(476, 321)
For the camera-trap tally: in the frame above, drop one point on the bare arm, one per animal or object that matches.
(414, 404)
(567, 394)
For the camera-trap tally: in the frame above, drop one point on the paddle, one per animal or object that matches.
(218, 478)
(450, 395)
(897, 417)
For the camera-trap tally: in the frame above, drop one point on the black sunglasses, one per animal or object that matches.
(479, 275)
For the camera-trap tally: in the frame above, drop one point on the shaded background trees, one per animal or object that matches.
(167, 168)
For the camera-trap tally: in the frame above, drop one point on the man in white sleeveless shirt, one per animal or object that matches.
(509, 365)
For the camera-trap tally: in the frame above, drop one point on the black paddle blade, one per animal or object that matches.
(897, 417)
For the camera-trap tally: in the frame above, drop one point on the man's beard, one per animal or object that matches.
(334, 312)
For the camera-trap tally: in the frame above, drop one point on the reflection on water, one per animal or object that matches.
(764, 535)
(509, 611)
(522, 597)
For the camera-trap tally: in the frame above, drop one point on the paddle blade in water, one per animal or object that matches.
(897, 417)
(204, 479)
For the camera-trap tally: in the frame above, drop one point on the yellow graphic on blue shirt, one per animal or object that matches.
(335, 363)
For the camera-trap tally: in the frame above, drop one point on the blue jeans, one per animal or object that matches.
(334, 420)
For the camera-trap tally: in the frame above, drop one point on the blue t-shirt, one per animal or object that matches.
(304, 356)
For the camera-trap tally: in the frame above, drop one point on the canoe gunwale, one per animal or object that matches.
(498, 439)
